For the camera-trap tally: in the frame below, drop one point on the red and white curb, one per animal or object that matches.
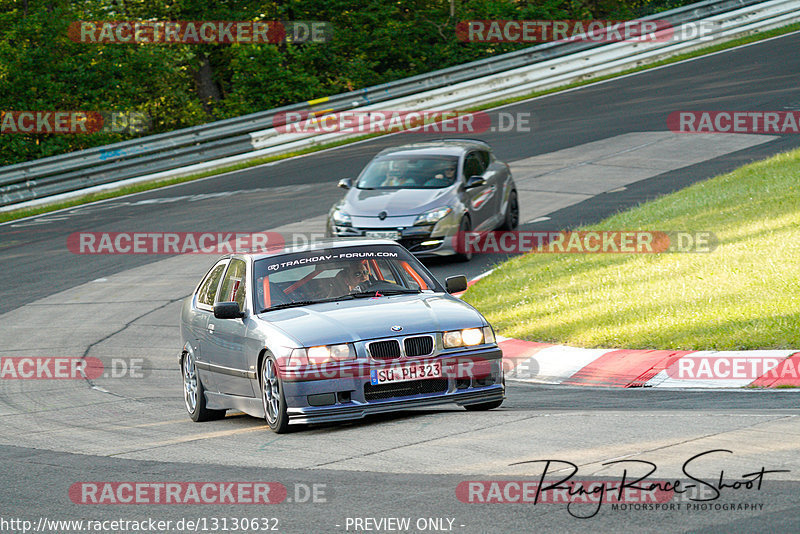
(528, 361)
(544, 363)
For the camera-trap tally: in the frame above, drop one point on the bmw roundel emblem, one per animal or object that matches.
(396, 328)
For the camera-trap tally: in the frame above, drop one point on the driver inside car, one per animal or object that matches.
(395, 175)
(354, 277)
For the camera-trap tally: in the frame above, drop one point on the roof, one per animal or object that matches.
(452, 146)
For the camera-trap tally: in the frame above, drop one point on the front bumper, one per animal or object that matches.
(419, 240)
(317, 415)
(471, 377)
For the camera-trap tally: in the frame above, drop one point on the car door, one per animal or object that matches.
(228, 336)
(495, 179)
(481, 200)
(202, 311)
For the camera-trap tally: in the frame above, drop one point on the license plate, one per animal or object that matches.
(406, 372)
(383, 234)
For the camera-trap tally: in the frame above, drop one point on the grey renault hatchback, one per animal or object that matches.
(422, 195)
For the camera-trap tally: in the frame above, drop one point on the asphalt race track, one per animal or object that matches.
(133, 427)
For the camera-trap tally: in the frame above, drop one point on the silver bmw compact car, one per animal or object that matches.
(336, 330)
(421, 195)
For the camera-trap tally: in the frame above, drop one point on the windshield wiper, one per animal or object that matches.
(383, 293)
(350, 296)
(398, 291)
(295, 304)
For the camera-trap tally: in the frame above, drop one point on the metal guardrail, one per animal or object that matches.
(549, 73)
(175, 153)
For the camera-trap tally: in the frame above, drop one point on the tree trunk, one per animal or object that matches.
(207, 88)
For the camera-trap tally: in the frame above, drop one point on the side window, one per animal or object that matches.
(411, 278)
(233, 285)
(382, 270)
(485, 158)
(208, 289)
(473, 166)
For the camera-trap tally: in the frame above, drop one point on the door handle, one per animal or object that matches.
(211, 328)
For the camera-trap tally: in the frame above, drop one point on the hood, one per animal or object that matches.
(395, 202)
(363, 319)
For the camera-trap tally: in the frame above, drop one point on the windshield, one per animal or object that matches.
(337, 274)
(428, 172)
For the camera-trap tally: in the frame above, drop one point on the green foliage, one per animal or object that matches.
(740, 296)
(178, 85)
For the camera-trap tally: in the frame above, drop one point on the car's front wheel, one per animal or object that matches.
(511, 220)
(194, 394)
(463, 228)
(272, 397)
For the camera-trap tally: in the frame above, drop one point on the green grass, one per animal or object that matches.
(743, 295)
(113, 193)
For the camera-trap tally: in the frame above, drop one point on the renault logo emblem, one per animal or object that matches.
(382, 215)
(396, 328)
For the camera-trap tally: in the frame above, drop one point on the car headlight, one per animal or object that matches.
(322, 354)
(340, 218)
(469, 337)
(432, 216)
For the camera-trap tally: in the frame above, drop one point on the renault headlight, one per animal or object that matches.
(340, 218)
(432, 216)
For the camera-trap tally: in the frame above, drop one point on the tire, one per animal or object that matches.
(512, 213)
(465, 226)
(272, 397)
(194, 394)
(483, 406)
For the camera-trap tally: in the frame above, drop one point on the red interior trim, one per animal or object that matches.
(377, 270)
(265, 286)
(417, 278)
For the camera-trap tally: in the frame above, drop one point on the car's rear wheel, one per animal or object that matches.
(194, 395)
(465, 226)
(483, 406)
(512, 213)
(272, 397)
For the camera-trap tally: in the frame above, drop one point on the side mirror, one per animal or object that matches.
(346, 183)
(227, 310)
(456, 284)
(475, 181)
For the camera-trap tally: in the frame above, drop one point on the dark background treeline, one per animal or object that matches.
(180, 85)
